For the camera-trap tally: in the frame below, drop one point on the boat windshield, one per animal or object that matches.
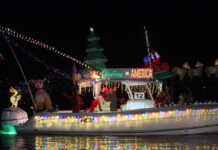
(138, 90)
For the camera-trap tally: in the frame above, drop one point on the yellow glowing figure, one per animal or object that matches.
(15, 97)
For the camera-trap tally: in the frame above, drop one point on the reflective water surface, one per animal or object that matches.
(51, 142)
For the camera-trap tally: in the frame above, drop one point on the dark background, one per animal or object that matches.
(179, 30)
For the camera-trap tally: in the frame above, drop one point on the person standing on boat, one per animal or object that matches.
(75, 99)
(113, 98)
(159, 101)
(163, 98)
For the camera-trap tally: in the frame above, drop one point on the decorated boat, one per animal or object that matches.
(177, 120)
(139, 116)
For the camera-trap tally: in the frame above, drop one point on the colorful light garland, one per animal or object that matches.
(42, 122)
(49, 67)
(31, 40)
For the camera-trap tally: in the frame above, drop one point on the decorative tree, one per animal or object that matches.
(95, 57)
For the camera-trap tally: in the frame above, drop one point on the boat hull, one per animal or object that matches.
(155, 121)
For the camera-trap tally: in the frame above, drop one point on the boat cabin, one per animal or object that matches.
(136, 82)
(139, 94)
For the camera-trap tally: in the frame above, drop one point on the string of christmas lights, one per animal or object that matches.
(49, 67)
(68, 122)
(31, 40)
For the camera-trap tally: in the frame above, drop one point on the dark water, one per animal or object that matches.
(49, 142)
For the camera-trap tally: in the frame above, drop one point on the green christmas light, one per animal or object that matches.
(8, 29)
(8, 129)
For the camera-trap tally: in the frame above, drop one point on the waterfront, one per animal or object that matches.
(61, 142)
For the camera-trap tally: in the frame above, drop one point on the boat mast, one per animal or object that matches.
(149, 55)
(22, 72)
(147, 45)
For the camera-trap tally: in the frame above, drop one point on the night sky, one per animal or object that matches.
(179, 31)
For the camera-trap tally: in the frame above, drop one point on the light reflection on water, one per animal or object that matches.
(49, 142)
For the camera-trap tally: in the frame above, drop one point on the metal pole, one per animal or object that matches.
(147, 44)
(31, 95)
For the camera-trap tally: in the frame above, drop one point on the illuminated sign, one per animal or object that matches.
(127, 73)
(112, 74)
(141, 73)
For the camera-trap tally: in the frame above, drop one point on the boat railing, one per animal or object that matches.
(138, 111)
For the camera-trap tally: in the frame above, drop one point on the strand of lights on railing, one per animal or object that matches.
(49, 67)
(43, 121)
(28, 39)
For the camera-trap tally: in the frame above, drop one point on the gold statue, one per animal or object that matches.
(15, 97)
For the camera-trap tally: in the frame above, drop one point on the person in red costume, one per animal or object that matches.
(93, 105)
(75, 99)
(100, 103)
